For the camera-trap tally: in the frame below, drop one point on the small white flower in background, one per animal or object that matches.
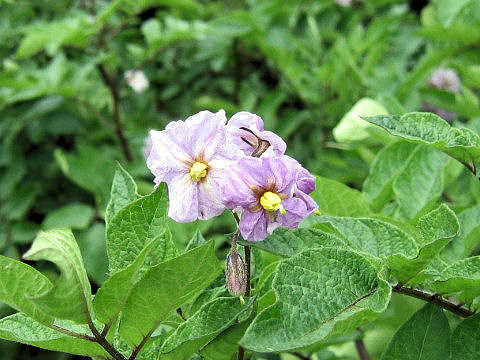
(137, 80)
(344, 3)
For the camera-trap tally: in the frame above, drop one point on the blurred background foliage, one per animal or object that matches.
(82, 82)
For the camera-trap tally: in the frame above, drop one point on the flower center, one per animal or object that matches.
(272, 202)
(198, 171)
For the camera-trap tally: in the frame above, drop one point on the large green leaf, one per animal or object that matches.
(319, 292)
(389, 163)
(289, 242)
(209, 321)
(20, 328)
(20, 284)
(134, 226)
(425, 336)
(112, 296)
(462, 277)
(426, 128)
(334, 198)
(122, 193)
(164, 288)
(71, 298)
(465, 345)
(407, 251)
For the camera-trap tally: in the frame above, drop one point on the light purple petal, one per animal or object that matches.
(183, 198)
(253, 225)
(306, 182)
(296, 211)
(246, 119)
(284, 171)
(276, 142)
(209, 195)
(167, 158)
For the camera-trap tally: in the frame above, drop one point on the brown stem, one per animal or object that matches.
(434, 298)
(103, 342)
(362, 350)
(114, 91)
(248, 266)
(241, 353)
(140, 346)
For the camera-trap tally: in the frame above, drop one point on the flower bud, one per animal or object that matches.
(236, 274)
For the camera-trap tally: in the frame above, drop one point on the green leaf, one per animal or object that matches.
(74, 216)
(136, 225)
(71, 298)
(406, 251)
(464, 243)
(20, 328)
(209, 321)
(425, 336)
(447, 10)
(462, 277)
(421, 181)
(319, 292)
(94, 252)
(389, 163)
(465, 339)
(352, 129)
(91, 168)
(196, 240)
(426, 128)
(289, 242)
(226, 344)
(122, 193)
(20, 284)
(337, 199)
(164, 288)
(112, 296)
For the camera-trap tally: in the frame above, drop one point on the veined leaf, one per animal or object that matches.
(461, 277)
(112, 296)
(71, 298)
(319, 292)
(426, 128)
(289, 242)
(196, 240)
(226, 344)
(20, 328)
(134, 226)
(465, 339)
(209, 321)
(164, 288)
(20, 284)
(425, 336)
(406, 252)
(122, 193)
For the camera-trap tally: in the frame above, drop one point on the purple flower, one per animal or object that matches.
(269, 192)
(247, 132)
(191, 156)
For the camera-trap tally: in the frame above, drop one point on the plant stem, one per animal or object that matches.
(362, 350)
(248, 266)
(115, 92)
(434, 298)
(103, 342)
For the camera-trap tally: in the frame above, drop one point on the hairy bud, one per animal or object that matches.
(236, 274)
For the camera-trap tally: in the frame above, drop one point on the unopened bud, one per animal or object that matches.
(236, 274)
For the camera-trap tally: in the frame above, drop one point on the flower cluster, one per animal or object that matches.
(443, 79)
(210, 165)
